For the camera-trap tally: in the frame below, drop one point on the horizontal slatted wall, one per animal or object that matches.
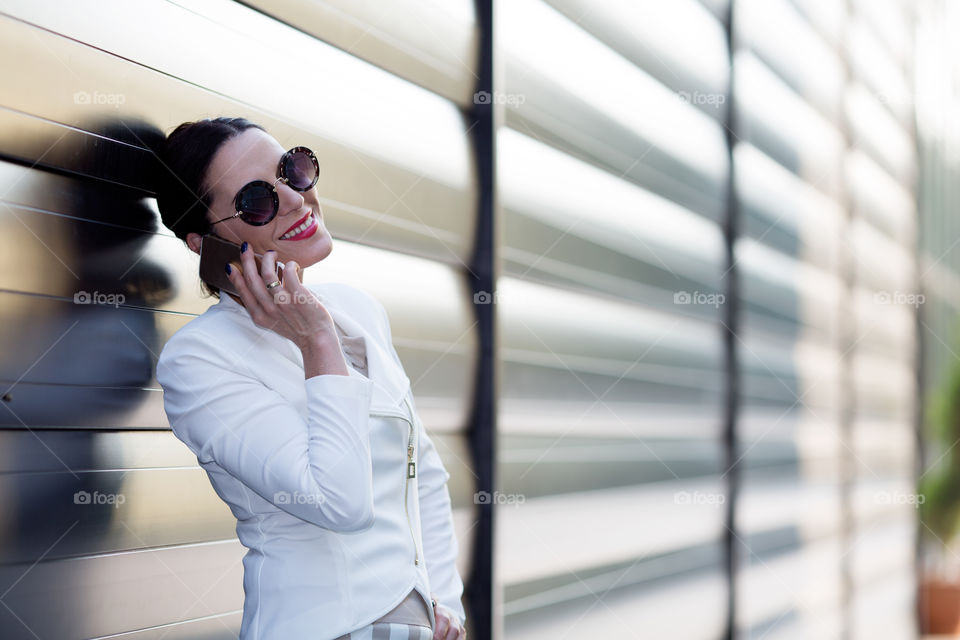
(880, 172)
(825, 171)
(612, 187)
(788, 84)
(612, 173)
(84, 85)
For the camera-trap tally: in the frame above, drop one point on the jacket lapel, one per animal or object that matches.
(390, 382)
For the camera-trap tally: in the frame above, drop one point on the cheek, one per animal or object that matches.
(259, 238)
(264, 238)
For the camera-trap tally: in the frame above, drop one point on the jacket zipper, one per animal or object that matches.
(410, 472)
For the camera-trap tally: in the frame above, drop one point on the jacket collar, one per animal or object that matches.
(390, 382)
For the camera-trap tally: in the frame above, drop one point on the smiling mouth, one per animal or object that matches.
(300, 226)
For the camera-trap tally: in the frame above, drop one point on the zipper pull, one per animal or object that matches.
(411, 465)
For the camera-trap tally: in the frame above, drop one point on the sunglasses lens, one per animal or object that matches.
(300, 169)
(257, 204)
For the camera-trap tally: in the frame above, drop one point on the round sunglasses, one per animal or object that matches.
(258, 202)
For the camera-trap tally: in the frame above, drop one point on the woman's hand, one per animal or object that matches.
(290, 310)
(448, 624)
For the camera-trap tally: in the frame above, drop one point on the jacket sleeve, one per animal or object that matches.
(440, 546)
(318, 469)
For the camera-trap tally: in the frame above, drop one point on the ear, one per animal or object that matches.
(193, 241)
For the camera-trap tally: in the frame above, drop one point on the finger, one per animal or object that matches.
(440, 633)
(291, 275)
(268, 267)
(292, 284)
(255, 282)
(258, 302)
(249, 300)
(269, 274)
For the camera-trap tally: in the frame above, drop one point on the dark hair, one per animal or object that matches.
(184, 157)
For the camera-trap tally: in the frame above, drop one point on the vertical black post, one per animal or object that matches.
(731, 291)
(482, 277)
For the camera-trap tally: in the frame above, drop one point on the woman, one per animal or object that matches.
(296, 405)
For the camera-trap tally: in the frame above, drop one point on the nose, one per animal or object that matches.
(288, 198)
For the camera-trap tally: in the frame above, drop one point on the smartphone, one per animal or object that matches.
(215, 252)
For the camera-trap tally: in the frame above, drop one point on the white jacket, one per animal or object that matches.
(315, 471)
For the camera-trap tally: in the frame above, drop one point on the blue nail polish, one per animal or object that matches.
(229, 270)
(243, 247)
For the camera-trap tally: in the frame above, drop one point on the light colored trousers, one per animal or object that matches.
(391, 631)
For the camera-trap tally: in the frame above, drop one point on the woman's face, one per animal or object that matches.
(255, 155)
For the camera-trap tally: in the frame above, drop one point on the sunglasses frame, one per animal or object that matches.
(273, 187)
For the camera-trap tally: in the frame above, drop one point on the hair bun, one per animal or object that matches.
(180, 163)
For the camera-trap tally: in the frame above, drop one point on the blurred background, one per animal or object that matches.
(676, 285)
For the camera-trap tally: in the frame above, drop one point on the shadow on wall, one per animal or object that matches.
(78, 356)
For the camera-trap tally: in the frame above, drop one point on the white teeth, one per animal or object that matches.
(302, 227)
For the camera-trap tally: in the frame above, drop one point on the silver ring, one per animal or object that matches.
(275, 283)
